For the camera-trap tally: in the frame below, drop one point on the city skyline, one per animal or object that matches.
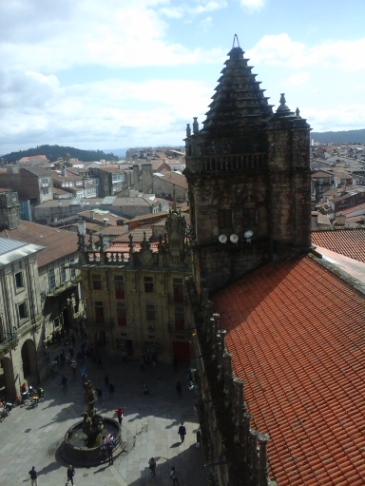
(97, 76)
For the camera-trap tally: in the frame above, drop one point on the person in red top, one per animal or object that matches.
(120, 414)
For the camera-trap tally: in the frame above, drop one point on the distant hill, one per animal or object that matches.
(348, 136)
(55, 152)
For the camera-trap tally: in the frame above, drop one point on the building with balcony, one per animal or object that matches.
(57, 280)
(135, 295)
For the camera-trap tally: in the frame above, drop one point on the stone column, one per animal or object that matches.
(253, 456)
(246, 435)
(239, 408)
(263, 467)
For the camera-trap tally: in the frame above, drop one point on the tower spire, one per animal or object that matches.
(236, 42)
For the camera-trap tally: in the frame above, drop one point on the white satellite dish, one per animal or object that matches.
(234, 238)
(222, 239)
(248, 234)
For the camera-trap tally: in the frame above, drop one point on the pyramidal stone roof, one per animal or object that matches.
(238, 101)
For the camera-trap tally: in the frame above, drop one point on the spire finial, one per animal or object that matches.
(282, 106)
(236, 42)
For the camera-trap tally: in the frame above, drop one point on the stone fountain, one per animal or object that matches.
(81, 446)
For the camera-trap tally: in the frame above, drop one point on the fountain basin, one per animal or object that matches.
(74, 452)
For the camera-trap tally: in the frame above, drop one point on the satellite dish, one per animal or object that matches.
(222, 239)
(234, 238)
(248, 234)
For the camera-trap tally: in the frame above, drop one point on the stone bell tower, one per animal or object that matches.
(249, 179)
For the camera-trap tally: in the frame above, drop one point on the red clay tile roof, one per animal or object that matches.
(296, 334)
(350, 243)
(347, 211)
(138, 235)
(58, 243)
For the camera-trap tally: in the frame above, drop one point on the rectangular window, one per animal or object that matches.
(179, 317)
(121, 314)
(22, 311)
(119, 287)
(63, 273)
(99, 312)
(19, 283)
(148, 285)
(72, 269)
(150, 312)
(51, 279)
(178, 289)
(96, 282)
(225, 219)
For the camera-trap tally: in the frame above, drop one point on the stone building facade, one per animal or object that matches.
(248, 177)
(135, 294)
(49, 286)
(20, 315)
(249, 191)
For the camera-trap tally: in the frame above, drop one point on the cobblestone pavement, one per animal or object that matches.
(31, 437)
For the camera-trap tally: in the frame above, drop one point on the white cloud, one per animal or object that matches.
(339, 117)
(206, 23)
(102, 113)
(281, 50)
(80, 33)
(199, 7)
(253, 4)
(298, 79)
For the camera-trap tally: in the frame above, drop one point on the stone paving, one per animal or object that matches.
(31, 437)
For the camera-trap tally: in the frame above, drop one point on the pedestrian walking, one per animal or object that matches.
(173, 476)
(111, 391)
(99, 391)
(70, 475)
(152, 465)
(73, 368)
(64, 382)
(178, 389)
(182, 432)
(120, 414)
(33, 477)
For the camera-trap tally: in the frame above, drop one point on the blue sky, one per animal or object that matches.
(115, 73)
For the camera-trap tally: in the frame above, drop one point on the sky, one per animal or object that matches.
(108, 74)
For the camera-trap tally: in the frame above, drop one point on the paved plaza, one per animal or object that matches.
(31, 437)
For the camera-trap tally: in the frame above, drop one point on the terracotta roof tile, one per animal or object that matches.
(58, 243)
(350, 243)
(296, 334)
